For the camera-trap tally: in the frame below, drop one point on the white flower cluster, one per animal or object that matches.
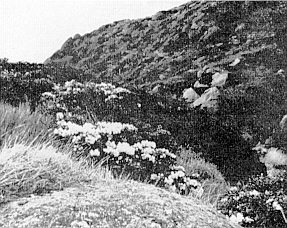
(49, 94)
(109, 90)
(194, 186)
(75, 87)
(146, 148)
(173, 176)
(239, 218)
(69, 87)
(113, 128)
(90, 132)
(275, 205)
(116, 149)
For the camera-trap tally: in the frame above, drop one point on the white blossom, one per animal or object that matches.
(277, 206)
(254, 193)
(237, 218)
(95, 152)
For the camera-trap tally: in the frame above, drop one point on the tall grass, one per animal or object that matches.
(214, 185)
(26, 169)
(31, 162)
(19, 124)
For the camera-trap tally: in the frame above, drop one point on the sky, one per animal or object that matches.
(32, 30)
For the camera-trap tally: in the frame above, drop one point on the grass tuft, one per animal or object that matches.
(19, 124)
(38, 169)
(214, 184)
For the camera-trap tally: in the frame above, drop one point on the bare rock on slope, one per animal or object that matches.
(111, 204)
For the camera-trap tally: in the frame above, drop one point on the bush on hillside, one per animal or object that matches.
(261, 202)
(17, 88)
(25, 82)
(156, 119)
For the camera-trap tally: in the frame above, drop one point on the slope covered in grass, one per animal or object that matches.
(44, 186)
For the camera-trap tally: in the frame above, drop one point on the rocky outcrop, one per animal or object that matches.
(111, 204)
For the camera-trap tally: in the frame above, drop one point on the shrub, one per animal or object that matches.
(90, 102)
(261, 202)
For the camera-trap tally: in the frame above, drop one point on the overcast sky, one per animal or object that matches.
(32, 30)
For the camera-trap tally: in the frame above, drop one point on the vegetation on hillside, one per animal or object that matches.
(186, 100)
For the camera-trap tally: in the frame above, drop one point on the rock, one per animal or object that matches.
(235, 62)
(208, 99)
(155, 89)
(283, 123)
(219, 79)
(66, 44)
(197, 84)
(190, 95)
(111, 204)
(76, 36)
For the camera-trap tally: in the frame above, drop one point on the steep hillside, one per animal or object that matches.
(173, 47)
(229, 58)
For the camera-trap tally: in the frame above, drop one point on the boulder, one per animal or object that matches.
(197, 84)
(190, 95)
(283, 123)
(219, 79)
(208, 99)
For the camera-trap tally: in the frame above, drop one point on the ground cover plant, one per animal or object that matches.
(261, 202)
(174, 178)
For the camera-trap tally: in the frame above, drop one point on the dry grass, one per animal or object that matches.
(18, 124)
(214, 186)
(26, 169)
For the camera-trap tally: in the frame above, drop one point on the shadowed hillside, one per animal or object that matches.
(173, 47)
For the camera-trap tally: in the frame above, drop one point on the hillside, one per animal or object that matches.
(112, 204)
(172, 48)
(192, 99)
(229, 58)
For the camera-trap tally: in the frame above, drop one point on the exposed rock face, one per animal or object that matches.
(172, 46)
(115, 205)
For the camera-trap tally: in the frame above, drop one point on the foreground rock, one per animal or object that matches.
(111, 204)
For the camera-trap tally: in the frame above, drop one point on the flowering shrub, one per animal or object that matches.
(91, 102)
(19, 87)
(78, 99)
(262, 202)
(141, 159)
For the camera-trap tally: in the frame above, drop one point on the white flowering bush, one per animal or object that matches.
(141, 159)
(79, 98)
(262, 202)
(91, 102)
(20, 87)
(141, 149)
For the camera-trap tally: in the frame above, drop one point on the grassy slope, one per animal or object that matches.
(36, 167)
